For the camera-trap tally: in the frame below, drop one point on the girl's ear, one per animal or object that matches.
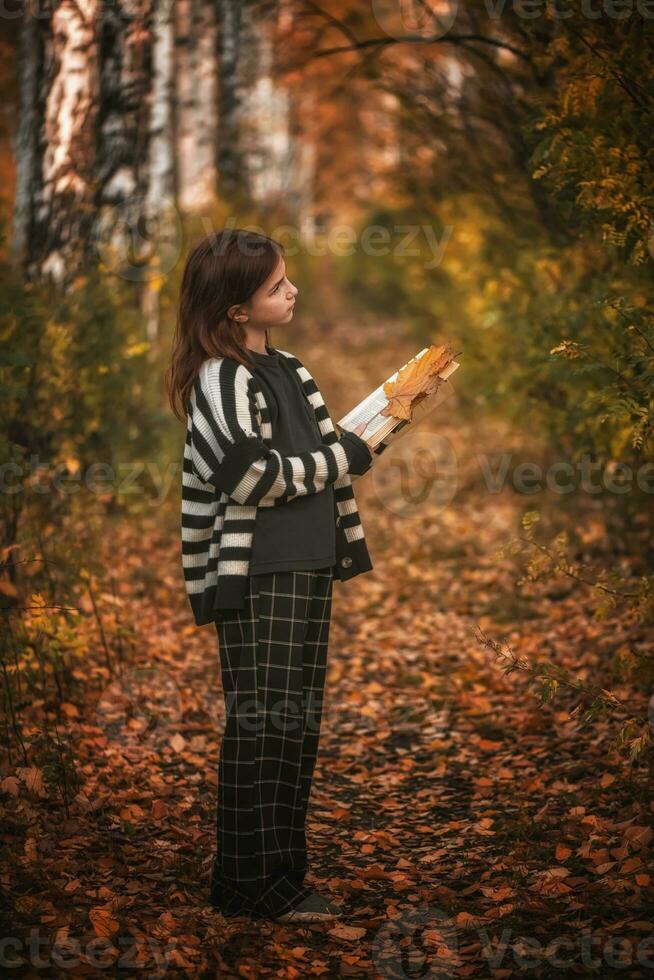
(236, 313)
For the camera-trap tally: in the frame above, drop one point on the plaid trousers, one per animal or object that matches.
(273, 660)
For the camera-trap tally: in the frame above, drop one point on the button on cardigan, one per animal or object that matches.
(230, 469)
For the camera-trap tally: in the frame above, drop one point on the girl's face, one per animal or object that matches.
(273, 302)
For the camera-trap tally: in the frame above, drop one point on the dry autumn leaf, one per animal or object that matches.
(159, 809)
(416, 381)
(632, 864)
(347, 932)
(500, 893)
(33, 779)
(104, 925)
(177, 742)
(640, 836)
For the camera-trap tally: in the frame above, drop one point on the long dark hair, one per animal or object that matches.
(224, 268)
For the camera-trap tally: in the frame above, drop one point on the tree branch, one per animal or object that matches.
(458, 39)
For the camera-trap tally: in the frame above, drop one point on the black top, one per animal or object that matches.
(299, 534)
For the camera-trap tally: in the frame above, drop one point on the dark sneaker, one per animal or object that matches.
(314, 908)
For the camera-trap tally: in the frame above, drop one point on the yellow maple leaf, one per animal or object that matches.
(415, 381)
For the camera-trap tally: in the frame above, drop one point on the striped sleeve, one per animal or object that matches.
(229, 453)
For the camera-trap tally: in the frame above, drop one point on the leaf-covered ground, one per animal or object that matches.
(466, 830)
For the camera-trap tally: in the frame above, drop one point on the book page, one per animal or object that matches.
(367, 410)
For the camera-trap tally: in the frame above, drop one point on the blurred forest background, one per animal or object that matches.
(505, 152)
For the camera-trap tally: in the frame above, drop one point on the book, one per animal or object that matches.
(384, 429)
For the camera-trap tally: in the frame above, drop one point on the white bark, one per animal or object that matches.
(64, 202)
(197, 102)
(267, 143)
(161, 170)
(280, 166)
(121, 233)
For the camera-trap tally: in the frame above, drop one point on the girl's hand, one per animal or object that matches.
(361, 461)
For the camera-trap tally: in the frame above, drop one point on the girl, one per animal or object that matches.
(268, 519)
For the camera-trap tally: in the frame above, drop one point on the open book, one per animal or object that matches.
(383, 429)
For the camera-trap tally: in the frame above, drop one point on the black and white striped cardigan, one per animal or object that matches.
(227, 474)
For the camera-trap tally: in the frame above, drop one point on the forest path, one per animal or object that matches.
(446, 806)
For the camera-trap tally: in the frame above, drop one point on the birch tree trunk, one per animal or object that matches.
(300, 182)
(161, 194)
(56, 139)
(236, 31)
(30, 67)
(121, 233)
(162, 185)
(266, 137)
(196, 79)
(279, 158)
